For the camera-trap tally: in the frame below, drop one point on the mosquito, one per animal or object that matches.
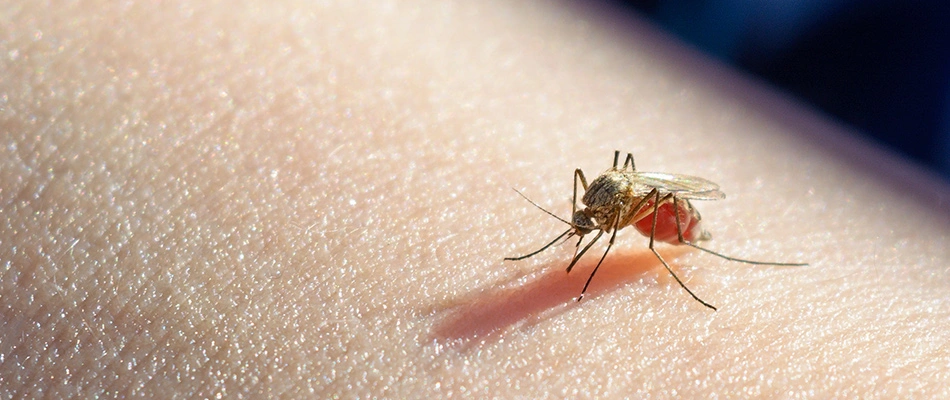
(656, 204)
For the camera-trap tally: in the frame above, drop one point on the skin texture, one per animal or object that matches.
(302, 199)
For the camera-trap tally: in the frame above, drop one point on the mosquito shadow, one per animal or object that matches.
(555, 291)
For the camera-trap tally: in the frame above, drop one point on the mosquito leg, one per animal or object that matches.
(676, 218)
(577, 247)
(613, 237)
(636, 209)
(566, 233)
(629, 161)
(656, 209)
(679, 232)
(753, 262)
(578, 175)
(616, 158)
(578, 257)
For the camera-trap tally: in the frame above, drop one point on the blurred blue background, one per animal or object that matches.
(882, 66)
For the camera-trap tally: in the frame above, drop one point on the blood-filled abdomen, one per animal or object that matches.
(666, 222)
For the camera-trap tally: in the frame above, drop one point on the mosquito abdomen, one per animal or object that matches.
(689, 219)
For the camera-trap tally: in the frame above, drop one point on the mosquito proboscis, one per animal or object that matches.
(656, 204)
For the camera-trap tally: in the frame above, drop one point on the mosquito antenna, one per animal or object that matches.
(568, 233)
(542, 208)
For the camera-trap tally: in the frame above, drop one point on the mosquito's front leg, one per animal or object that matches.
(581, 254)
(578, 175)
(613, 237)
(577, 248)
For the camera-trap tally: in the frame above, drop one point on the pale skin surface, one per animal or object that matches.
(294, 199)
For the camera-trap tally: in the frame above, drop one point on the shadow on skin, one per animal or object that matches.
(493, 310)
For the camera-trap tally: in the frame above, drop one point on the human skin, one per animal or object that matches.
(314, 200)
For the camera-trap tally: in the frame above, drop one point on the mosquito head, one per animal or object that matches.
(582, 223)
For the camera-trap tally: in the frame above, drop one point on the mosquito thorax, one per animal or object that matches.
(611, 189)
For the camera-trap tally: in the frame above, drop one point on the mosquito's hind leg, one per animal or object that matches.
(656, 209)
(679, 233)
(753, 262)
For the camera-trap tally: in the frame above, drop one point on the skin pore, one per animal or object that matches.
(306, 200)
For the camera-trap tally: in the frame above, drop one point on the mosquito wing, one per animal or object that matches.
(684, 186)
